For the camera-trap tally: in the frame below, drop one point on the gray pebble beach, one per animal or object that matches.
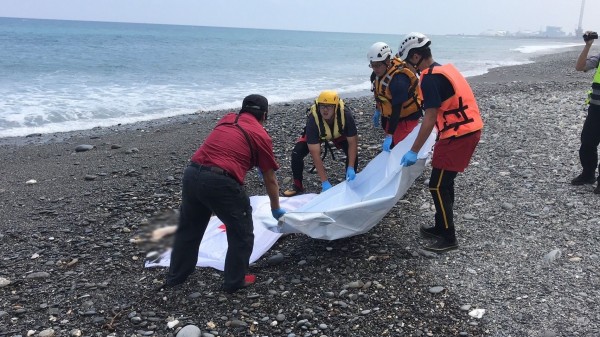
(77, 209)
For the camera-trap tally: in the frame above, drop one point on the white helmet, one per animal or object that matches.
(412, 41)
(379, 51)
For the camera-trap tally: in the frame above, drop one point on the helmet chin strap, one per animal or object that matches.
(416, 65)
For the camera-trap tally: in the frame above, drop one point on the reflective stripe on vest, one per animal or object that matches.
(459, 114)
(325, 132)
(384, 95)
(595, 94)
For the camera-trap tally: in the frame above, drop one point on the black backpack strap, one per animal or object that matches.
(327, 149)
(339, 117)
(253, 152)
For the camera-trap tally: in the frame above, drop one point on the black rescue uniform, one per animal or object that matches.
(312, 135)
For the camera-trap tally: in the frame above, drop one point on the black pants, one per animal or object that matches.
(590, 138)
(301, 151)
(203, 193)
(441, 186)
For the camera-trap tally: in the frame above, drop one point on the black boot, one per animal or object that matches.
(442, 245)
(583, 179)
(431, 232)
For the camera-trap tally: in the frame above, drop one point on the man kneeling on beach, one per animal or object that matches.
(212, 183)
(327, 120)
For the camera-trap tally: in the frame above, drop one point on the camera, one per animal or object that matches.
(590, 36)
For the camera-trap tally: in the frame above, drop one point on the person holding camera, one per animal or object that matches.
(590, 134)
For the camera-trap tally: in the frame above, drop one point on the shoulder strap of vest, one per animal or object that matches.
(339, 119)
(397, 68)
(320, 121)
(412, 93)
(253, 152)
(430, 69)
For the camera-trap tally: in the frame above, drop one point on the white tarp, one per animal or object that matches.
(353, 208)
(213, 247)
(347, 209)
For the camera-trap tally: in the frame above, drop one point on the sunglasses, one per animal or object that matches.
(376, 64)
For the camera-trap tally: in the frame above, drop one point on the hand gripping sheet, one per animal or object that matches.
(353, 208)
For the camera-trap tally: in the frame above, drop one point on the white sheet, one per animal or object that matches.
(353, 208)
(213, 247)
(345, 210)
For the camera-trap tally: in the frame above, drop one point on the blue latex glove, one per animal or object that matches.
(278, 213)
(259, 172)
(409, 158)
(350, 174)
(376, 118)
(387, 143)
(325, 186)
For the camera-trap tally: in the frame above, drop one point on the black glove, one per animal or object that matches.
(590, 36)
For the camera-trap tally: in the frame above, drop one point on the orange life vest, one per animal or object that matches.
(458, 115)
(383, 95)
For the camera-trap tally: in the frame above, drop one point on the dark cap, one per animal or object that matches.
(256, 105)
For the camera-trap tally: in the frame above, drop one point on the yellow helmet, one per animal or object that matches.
(328, 97)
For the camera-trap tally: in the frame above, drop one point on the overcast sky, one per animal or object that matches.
(384, 16)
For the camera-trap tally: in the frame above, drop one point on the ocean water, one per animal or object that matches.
(71, 75)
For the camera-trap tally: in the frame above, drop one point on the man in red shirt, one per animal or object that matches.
(213, 183)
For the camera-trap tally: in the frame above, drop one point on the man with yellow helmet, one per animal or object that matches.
(327, 120)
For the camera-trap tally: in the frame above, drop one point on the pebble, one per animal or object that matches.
(236, 323)
(477, 313)
(355, 284)
(83, 148)
(275, 259)
(436, 289)
(4, 282)
(46, 333)
(553, 255)
(41, 274)
(189, 331)
(428, 254)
